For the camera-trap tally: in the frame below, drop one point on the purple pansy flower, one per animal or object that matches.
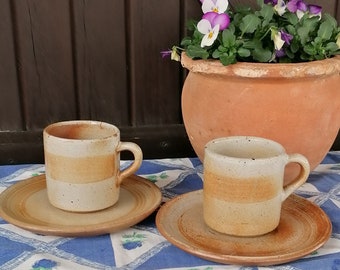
(280, 38)
(271, 26)
(165, 54)
(314, 10)
(173, 53)
(214, 12)
(214, 18)
(287, 38)
(280, 53)
(210, 25)
(296, 5)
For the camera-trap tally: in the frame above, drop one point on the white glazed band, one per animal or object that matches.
(243, 184)
(82, 160)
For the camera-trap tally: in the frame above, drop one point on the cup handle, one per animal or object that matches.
(138, 158)
(301, 178)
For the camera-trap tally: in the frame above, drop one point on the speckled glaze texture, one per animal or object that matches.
(303, 228)
(297, 105)
(243, 184)
(82, 161)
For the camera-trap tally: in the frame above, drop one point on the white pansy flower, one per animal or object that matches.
(280, 7)
(218, 6)
(210, 33)
(277, 39)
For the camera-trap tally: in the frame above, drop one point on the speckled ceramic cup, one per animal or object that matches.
(243, 184)
(82, 160)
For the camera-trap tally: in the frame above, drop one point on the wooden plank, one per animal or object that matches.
(156, 142)
(93, 59)
(10, 111)
(168, 141)
(45, 56)
(336, 144)
(191, 10)
(100, 60)
(155, 82)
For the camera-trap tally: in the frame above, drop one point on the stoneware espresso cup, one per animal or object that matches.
(82, 160)
(243, 184)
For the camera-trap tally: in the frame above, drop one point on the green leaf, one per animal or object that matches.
(310, 49)
(195, 39)
(332, 47)
(249, 23)
(291, 29)
(191, 24)
(252, 44)
(186, 41)
(310, 24)
(228, 59)
(197, 52)
(267, 13)
(248, 37)
(325, 31)
(291, 18)
(223, 51)
(217, 53)
(262, 55)
(331, 20)
(260, 3)
(290, 54)
(303, 34)
(242, 52)
(294, 46)
(228, 38)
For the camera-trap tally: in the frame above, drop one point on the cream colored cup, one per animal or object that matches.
(243, 184)
(82, 160)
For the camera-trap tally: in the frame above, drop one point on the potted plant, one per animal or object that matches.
(269, 71)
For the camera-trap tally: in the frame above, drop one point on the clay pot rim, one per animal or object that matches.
(329, 66)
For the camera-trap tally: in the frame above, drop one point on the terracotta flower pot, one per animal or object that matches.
(297, 105)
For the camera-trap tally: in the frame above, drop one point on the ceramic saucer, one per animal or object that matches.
(303, 228)
(26, 205)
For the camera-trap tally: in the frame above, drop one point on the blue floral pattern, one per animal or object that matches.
(44, 264)
(142, 246)
(132, 241)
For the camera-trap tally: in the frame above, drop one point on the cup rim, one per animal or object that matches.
(47, 130)
(277, 147)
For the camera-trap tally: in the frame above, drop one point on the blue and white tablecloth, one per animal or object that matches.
(142, 246)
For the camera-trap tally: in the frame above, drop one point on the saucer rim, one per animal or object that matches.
(109, 226)
(264, 260)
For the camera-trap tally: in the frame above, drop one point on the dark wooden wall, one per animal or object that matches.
(93, 59)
